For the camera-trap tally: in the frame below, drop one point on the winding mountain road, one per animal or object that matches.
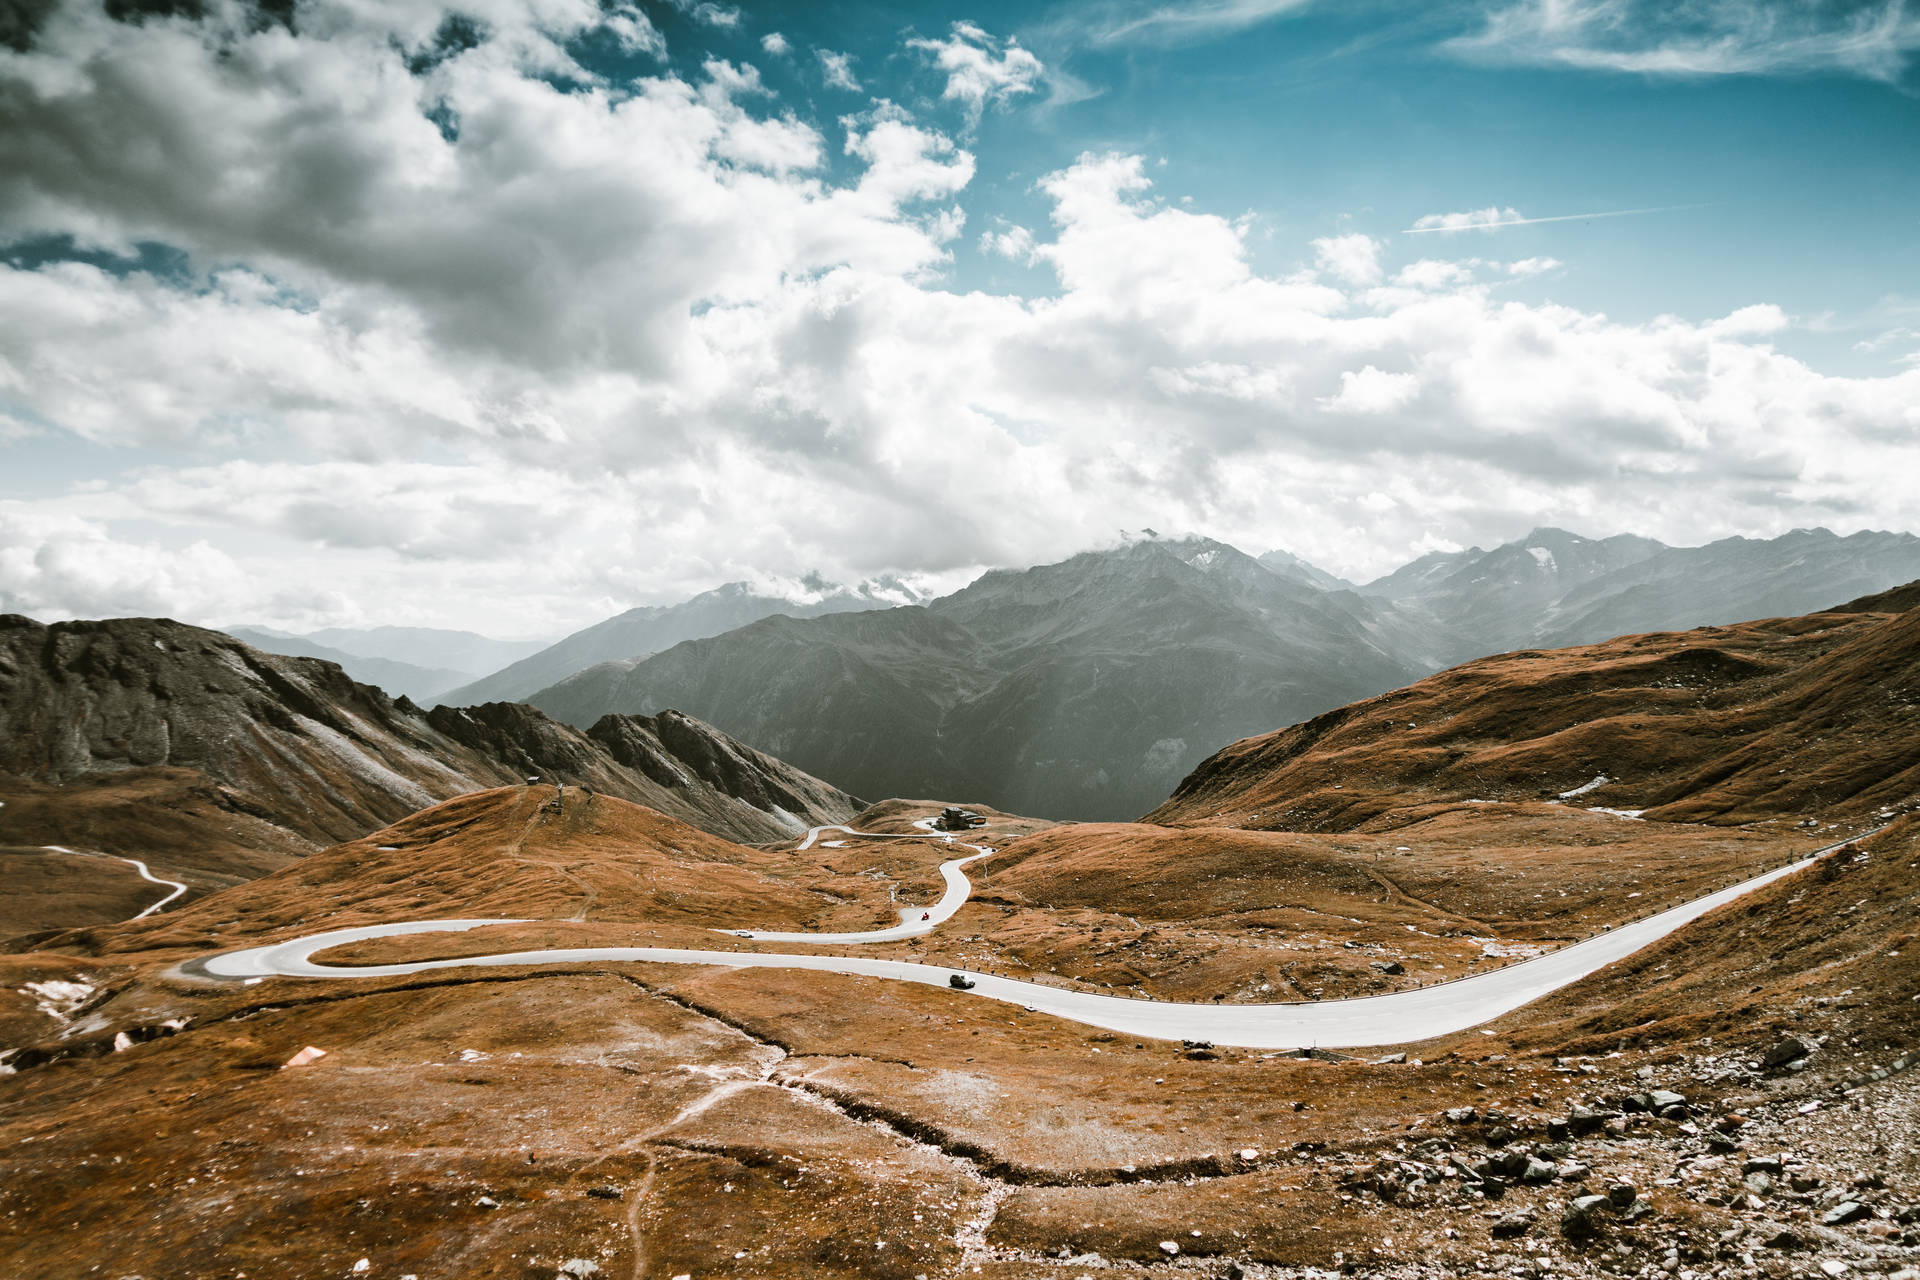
(1401, 1017)
(137, 865)
(914, 921)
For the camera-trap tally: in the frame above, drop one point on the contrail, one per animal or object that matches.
(1558, 217)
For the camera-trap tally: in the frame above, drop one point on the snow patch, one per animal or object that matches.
(1543, 557)
(1595, 785)
(787, 820)
(1494, 947)
(57, 998)
(1633, 814)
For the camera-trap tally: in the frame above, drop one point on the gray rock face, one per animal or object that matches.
(309, 750)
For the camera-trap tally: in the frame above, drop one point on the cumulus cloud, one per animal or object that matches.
(838, 70)
(1370, 390)
(1014, 242)
(776, 44)
(488, 342)
(1875, 41)
(1533, 266)
(1354, 259)
(981, 70)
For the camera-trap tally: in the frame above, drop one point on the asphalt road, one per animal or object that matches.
(137, 865)
(1365, 1022)
(912, 925)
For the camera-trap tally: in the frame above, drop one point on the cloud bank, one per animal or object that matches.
(470, 331)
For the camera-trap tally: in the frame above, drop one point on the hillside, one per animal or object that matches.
(652, 628)
(1786, 717)
(1080, 689)
(202, 755)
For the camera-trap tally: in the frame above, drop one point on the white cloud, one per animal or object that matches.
(1474, 219)
(775, 44)
(1370, 390)
(1015, 242)
(604, 344)
(706, 12)
(1354, 259)
(1533, 267)
(1178, 21)
(981, 70)
(1434, 273)
(838, 69)
(1711, 37)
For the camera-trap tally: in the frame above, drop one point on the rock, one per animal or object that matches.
(1582, 1216)
(1388, 966)
(1462, 1115)
(1170, 1247)
(1393, 1059)
(1833, 1266)
(1769, 1165)
(1539, 1171)
(1249, 1153)
(1584, 1120)
(1559, 1129)
(1660, 1099)
(1509, 1225)
(1499, 1136)
(1760, 1182)
(604, 1193)
(1782, 1238)
(1234, 1271)
(1616, 1126)
(1621, 1195)
(1843, 1213)
(579, 1268)
(1574, 1172)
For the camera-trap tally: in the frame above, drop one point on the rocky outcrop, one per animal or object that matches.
(317, 754)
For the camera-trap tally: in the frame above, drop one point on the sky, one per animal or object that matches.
(510, 315)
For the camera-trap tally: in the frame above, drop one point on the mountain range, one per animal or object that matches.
(1085, 689)
(190, 749)
(651, 628)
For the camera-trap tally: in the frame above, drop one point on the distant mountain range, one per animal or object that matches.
(1555, 588)
(396, 677)
(1086, 688)
(161, 739)
(651, 628)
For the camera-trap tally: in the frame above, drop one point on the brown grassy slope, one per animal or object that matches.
(508, 853)
(1788, 716)
(1833, 951)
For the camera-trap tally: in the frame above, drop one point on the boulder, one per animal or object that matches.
(1844, 1212)
(1509, 1225)
(1582, 1216)
(1621, 1195)
(1786, 1049)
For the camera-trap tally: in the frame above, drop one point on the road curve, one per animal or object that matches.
(914, 921)
(137, 865)
(1401, 1017)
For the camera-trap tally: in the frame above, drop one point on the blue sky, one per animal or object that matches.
(345, 322)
